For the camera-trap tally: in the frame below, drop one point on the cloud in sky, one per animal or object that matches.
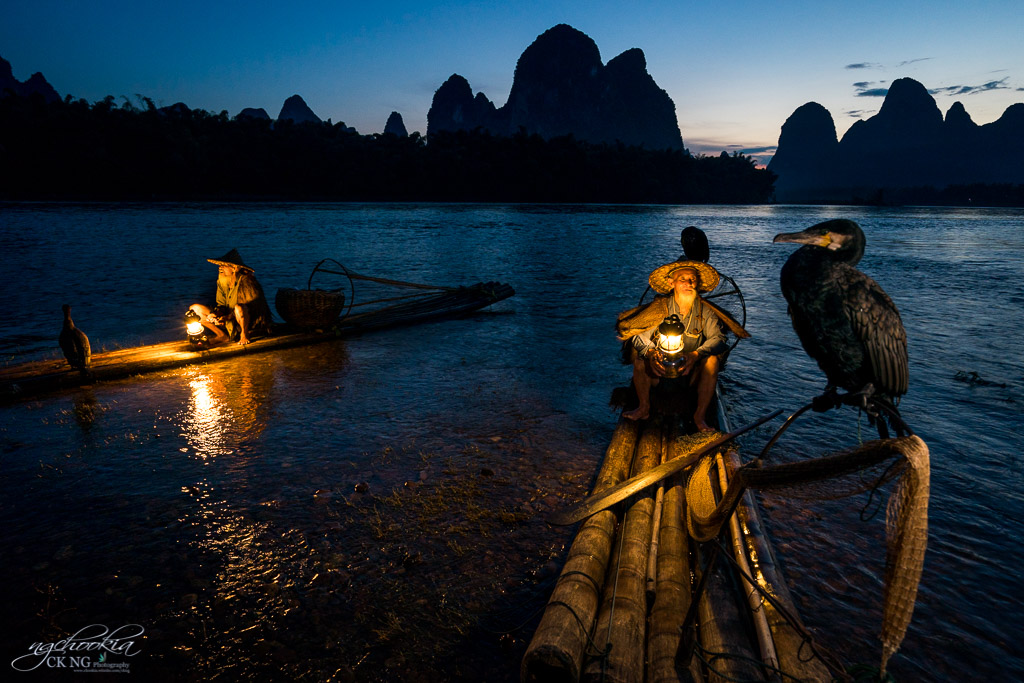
(860, 113)
(876, 89)
(714, 147)
(876, 65)
(972, 89)
(870, 89)
(912, 61)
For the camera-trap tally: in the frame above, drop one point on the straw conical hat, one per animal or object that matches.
(661, 278)
(232, 258)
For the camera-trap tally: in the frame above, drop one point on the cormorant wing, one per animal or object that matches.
(83, 348)
(876, 321)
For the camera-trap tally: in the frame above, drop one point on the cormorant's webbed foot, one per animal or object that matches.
(864, 400)
(877, 407)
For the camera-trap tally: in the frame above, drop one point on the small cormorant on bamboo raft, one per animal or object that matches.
(305, 324)
(678, 582)
(74, 343)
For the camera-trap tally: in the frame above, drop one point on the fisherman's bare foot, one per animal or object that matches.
(243, 341)
(641, 413)
(702, 426)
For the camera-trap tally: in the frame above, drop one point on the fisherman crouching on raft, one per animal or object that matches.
(242, 309)
(704, 344)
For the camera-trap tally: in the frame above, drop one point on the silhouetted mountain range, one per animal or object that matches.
(395, 125)
(906, 145)
(908, 151)
(260, 114)
(35, 85)
(296, 110)
(562, 88)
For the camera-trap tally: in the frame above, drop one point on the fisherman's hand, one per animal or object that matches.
(691, 359)
(655, 368)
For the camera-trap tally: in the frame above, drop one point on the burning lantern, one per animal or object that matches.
(670, 344)
(194, 327)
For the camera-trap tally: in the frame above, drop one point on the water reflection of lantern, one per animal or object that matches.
(670, 344)
(194, 327)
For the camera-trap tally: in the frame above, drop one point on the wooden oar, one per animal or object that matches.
(609, 497)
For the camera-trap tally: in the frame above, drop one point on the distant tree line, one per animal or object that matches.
(105, 151)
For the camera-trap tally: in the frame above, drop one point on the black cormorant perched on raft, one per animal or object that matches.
(74, 343)
(845, 321)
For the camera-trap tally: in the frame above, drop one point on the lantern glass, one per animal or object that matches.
(193, 324)
(671, 343)
(670, 335)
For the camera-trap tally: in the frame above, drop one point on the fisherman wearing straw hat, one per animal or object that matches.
(242, 309)
(679, 284)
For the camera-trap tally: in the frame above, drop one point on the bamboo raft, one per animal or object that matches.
(618, 608)
(641, 598)
(32, 378)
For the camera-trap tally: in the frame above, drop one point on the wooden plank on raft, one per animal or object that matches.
(27, 379)
(555, 652)
(622, 621)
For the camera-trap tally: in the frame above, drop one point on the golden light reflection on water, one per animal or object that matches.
(247, 584)
(206, 419)
(250, 584)
(225, 407)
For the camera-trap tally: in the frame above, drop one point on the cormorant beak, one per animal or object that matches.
(815, 239)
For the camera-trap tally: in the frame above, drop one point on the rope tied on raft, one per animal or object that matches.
(592, 650)
(835, 476)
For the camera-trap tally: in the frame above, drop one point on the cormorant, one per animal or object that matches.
(695, 244)
(74, 343)
(844, 320)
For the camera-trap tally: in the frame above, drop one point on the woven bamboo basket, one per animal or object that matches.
(309, 309)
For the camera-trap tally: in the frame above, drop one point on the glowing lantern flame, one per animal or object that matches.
(670, 335)
(194, 327)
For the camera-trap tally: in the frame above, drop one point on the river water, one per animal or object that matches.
(373, 508)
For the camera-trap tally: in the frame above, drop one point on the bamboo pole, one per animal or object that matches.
(673, 593)
(754, 601)
(385, 281)
(722, 630)
(652, 555)
(795, 657)
(556, 651)
(659, 498)
(621, 623)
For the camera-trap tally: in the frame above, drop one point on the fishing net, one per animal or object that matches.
(841, 474)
